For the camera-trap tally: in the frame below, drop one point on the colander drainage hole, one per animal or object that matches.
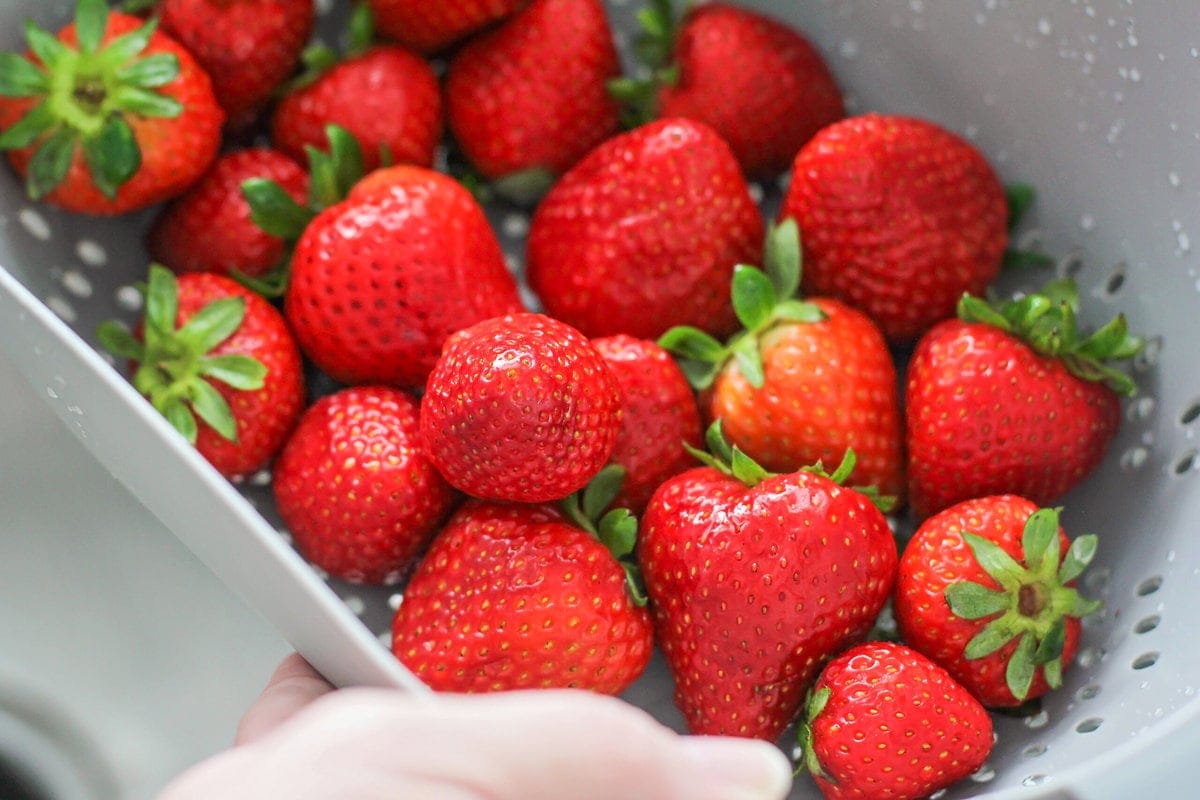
(984, 774)
(1147, 624)
(1088, 692)
(1115, 281)
(1035, 780)
(1070, 265)
(1034, 750)
(1185, 463)
(1149, 586)
(1146, 660)
(1088, 725)
(1191, 413)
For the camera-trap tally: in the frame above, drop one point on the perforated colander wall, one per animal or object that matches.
(1090, 102)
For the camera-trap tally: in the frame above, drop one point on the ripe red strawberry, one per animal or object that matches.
(387, 97)
(354, 488)
(212, 349)
(528, 100)
(644, 232)
(985, 589)
(758, 83)
(804, 381)
(537, 603)
(899, 218)
(136, 123)
(1013, 400)
(248, 47)
(658, 416)
(381, 279)
(209, 228)
(429, 25)
(520, 408)
(884, 721)
(755, 580)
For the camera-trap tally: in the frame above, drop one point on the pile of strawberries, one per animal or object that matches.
(498, 459)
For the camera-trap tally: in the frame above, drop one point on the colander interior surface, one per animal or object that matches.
(1088, 101)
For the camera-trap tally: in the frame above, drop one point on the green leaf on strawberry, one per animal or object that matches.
(617, 529)
(652, 47)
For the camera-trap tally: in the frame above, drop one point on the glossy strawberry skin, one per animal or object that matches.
(386, 96)
(643, 234)
(248, 47)
(757, 82)
(520, 408)
(355, 490)
(265, 417)
(658, 415)
(380, 280)
(896, 726)
(987, 415)
(935, 558)
(208, 228)
(430, 25)
(828, 386)
(175, 151)
(535, 603)
(754, 588)
(898, 218)
(531, 94)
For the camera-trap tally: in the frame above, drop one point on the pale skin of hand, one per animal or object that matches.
(304, 741)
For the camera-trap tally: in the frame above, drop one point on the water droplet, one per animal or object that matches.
(1087, 222)
(261, 478)
(395, 600)
(53, 394)
(1044, 27)
(983, 774)
(1142, 408)
(1134, 458)
(1173, 179)
(848, 49)
(1185, 244)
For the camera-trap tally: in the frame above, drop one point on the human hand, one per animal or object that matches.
(303, 741)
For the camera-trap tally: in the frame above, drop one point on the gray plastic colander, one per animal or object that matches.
(1094, 102)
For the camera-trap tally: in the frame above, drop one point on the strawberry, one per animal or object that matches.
(356, 491)
(899, 217)
(658, 417)
(382, 278)
(644, 232)
(1012, 400)
(109, 117)
(755, 580)
(212, 349)
(248, 47)
(886, 722)
(209, 228)
(387, 97)
(804, 381)
(430, 25)
(528, 100)
(537, 603)
(520, 408)
(758, 83)
(986, 589)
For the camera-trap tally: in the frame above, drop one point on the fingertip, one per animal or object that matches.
(293, 686)
(726, 768)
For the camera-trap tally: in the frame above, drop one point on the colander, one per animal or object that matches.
(1090, 101)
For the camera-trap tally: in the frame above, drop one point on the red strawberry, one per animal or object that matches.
(429, 25)
(755, 580)
(644, 232)
(804, 381)
(899, 218)
(1013, 400)
(209, 228)
(136, 123)
(756, 82)
(248, 47)
(356, 491)
(886, 722)
(381, 279)
(520, 408)
(212, 349)
(985, 589)
(658, 416)
(387, 97)
(529, 98)
(537, 603)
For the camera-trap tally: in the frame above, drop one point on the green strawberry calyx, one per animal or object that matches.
(762, 300)
(652, 48)
(319, 58)
(331, 177)
(1021, 197)
(175, 370)
(85, 97)
(731, 461)
(1048, 322)
(808, 762)
(616, 529)
(1033, 603)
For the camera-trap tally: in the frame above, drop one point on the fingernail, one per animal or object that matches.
(737, 769)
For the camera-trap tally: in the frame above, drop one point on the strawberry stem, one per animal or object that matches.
(617, 529)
